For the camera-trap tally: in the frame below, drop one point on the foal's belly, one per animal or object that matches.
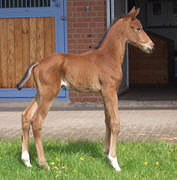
(81, 87)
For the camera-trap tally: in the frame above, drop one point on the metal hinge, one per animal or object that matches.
(63, 18)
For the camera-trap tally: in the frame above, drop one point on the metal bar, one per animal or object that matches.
(17, 3)
(126, 6)
(127, 53)
(108, 13)
(112, 11)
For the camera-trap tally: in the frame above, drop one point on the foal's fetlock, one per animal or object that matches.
(106, 150)
(44, 165)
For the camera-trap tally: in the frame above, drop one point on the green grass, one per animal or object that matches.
(86, 160)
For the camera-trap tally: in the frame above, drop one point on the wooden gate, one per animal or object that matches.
(29, 30)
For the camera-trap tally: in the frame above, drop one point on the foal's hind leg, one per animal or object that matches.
(26, 119)
(44, 105)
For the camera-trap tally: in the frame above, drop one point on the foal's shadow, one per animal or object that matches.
(90, 148)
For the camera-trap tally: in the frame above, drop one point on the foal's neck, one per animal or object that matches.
(114, 44)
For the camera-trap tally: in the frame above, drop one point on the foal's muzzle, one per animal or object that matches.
(149, 48)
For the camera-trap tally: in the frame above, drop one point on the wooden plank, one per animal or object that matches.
(39, 38)
(4, 54)
(11, 51)
(32, 34)
(53, 35)
(26, 45)
(1, 67)
(47, 36)
(18, 49)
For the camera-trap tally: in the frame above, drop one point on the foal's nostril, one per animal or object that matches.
(152, 45)
(149, 50)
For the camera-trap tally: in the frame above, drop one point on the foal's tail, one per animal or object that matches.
(26, 75)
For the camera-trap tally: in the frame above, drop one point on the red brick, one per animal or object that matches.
(80, 25)
(76, 35)
(99, 8)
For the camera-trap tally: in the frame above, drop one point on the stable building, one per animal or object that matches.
(31, 30)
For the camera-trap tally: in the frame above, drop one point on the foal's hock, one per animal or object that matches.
(97, 70)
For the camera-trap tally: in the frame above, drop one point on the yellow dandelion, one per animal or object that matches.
(82, 159)
(56, 159)
(52, 163)
(62, 167)
(145, 162)
(56, 168)
(157, 163)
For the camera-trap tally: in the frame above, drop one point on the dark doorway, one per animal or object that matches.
(155, 77)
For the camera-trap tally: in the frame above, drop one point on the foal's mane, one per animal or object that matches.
(106, 32)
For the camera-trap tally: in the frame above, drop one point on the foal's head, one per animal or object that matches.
(134, 32)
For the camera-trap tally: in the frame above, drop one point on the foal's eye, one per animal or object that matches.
(138, 29)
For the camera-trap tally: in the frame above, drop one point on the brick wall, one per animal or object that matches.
(84, 31)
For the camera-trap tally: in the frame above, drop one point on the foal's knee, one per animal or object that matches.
(25, 121)
(36, 126)
(115, 127)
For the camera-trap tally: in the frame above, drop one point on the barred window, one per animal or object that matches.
(24, 3)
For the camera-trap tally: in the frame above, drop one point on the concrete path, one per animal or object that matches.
(137, 124)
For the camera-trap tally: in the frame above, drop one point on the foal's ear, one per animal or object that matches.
(134, 12)
(137, 12)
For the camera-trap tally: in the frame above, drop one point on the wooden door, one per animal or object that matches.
(29, 30)
(22, 41)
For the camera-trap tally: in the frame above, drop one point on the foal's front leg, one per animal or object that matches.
(111, 108)
(108, 133)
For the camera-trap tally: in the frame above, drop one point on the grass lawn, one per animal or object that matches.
(86, 161)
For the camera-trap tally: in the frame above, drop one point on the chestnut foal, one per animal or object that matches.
(97, 70)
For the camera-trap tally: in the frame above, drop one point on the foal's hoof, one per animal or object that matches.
(44, 165)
